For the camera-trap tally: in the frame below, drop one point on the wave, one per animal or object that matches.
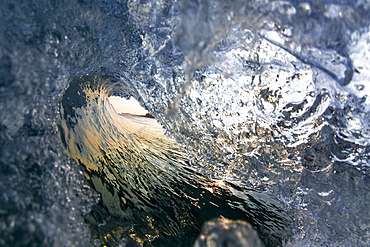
(149, 192)
(264, 106)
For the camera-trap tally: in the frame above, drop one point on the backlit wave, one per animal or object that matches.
(149, 192)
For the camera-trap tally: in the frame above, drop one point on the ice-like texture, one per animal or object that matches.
(273, 95)
(149, 192)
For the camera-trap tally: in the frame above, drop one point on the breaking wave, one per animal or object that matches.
(149, 192)
(264, 106)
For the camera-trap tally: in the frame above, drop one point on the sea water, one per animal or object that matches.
(264, 105)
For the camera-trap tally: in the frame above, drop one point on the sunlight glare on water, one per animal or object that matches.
(270, 97)
(131, 106)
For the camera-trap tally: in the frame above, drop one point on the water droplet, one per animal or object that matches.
(360, 87)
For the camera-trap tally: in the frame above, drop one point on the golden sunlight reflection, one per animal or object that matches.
(124, 106)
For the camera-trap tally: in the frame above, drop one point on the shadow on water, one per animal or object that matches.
(150, 195)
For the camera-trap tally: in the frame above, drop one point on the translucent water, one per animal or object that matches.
(149, 192)
(269, 96)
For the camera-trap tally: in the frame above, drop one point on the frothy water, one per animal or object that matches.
(149, 192)
(264, 106)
